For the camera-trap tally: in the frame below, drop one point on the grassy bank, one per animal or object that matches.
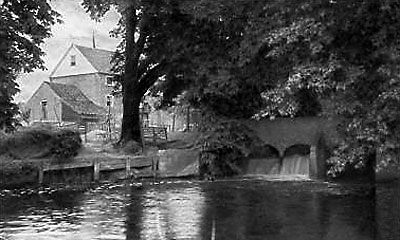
(23, 152)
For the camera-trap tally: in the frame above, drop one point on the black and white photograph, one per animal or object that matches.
(200, 119)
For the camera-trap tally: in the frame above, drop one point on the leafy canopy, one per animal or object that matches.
(308, 57)
(23, 27)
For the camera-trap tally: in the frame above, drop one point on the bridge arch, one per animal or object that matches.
(266, 150)
(297, 148)
(264, 159)
(284, 133)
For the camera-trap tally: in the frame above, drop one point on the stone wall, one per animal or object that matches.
(282, 133)
(318, 133)
(178, 163)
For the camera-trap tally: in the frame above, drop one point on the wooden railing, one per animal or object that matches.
(155, 133)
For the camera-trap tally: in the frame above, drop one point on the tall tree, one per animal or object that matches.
(156, 38)
(23, 27)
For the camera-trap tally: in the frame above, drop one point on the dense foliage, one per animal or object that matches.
(241, 59)
(224, 144)
(308, 58)
(23, 27)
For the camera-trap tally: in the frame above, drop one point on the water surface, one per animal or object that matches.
(229, 209)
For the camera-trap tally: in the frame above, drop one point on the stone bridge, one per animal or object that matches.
(313, 132)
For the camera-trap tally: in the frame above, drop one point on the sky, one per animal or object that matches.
(77, 27)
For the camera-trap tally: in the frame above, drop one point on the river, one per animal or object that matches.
(225, 209)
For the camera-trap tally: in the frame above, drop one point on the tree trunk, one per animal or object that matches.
(173, 122)
(135, 83)
(131, 119)
(131, 93)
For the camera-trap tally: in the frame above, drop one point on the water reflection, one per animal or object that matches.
(166, 213)
(287, 211)
(45, 216)
(64, 214)
(387, 211)
(231, 209)
(104, 214)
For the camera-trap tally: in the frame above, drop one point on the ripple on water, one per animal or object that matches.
(258, 208)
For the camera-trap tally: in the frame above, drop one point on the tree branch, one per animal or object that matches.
(151, 76)
(133, 49)
(143, 66)
(140, 43)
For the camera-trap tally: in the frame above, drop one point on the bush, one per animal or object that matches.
(65, 144)
(224, 144)
(40, 143)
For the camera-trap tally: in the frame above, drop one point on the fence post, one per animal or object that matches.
(128, 168)
(41, 173)
(154, 166)
(96, 170)
(142, 131)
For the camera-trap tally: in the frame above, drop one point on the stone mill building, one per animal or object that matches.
(79, 90)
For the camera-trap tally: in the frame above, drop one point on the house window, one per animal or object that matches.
(110, 81)
(43, 103)
(73, 60)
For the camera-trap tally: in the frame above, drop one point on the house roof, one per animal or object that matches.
(99, 58)
(75, 99)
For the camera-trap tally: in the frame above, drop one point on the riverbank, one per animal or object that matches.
(99, 161)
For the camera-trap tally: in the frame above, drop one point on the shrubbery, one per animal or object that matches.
(40, 143)
(66, 144)
(224, 144)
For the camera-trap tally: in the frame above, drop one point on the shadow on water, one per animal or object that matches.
(229, 209)
(387, 210)
(254, 210)
(297, 212)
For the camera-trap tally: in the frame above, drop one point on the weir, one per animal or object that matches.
(296, 164)
(295, 146)
(296, 160)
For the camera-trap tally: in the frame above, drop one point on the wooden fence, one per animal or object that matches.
(155, 133)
